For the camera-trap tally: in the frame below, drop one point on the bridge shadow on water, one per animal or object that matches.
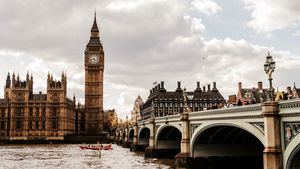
(254, 162)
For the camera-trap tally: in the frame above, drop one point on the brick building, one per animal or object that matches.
(251, 95)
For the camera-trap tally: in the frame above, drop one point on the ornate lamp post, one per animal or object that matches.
(269, 68)
(185, 101)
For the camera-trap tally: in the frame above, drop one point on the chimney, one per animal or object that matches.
(240, 85)
(178, 85)
(259, 85)
(204, 89)
(150, 91)
(214, 85)
(208, 87)
(40, 92)
(158, 86)
(198, 85)
(162, 84)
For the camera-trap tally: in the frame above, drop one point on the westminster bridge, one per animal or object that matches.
(253, 136)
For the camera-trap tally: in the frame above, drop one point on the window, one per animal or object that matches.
(36, 124)
(54, 120)
(43, 125)
(2, 119)
(30, 124)
(18, 118)
(36, 120)
(43, 120)
(18, 124)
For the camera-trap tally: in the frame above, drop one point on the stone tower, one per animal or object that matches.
(57, 112)
(94, 68)
(19, 93)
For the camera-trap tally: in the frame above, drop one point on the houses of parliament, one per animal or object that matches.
(25, 115)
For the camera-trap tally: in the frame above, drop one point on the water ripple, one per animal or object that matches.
(71, 156)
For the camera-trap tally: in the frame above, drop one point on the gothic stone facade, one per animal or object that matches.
(163, 103)
(28, 116)
(52, 116)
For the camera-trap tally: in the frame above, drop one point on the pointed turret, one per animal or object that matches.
(13, 79)
(94, 38)
(294, 86)
(95, 26)
(8, 81)
(74, 99)
(62, 76)
(27, 76)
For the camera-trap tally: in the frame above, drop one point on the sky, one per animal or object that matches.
(152, 40)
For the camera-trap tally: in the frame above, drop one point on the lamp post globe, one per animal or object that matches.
(269, 68)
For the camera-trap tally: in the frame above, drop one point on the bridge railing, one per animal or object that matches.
(231, 112)
(289, 106)
(163, 119)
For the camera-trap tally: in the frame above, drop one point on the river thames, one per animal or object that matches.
(62, 156)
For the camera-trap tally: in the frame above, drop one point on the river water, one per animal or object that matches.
(71, 156)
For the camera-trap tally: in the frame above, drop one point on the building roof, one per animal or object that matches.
(95, 26)
(254, 93)
(39, 97)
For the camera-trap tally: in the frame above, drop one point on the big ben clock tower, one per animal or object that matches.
(94, 68)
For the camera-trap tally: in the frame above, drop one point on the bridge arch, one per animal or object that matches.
(131, 135)
(143, 136)
(227, 145)
(291, 155)
(167, 140)
(245, 126)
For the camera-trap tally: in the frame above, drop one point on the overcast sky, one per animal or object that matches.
(152, 40)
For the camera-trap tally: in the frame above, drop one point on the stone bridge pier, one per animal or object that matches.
(126, 142)
(136, 144)
(150, 151)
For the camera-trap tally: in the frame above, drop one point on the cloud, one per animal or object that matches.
(272, 15)
(207, 7)
(144, 41)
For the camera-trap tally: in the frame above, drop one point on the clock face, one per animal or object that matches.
(94, 59)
